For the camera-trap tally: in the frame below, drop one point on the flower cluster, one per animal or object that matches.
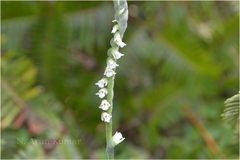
(105, 84)
(114, 55)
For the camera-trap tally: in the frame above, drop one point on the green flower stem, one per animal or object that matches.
(110, 149)
(121, 17)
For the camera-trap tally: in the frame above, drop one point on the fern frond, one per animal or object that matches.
(231, 111)
(17, 87)
(84, 26)
(18, 77)
(18, 94)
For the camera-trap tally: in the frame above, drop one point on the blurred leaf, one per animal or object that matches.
(16, 84)
(33, 151)
(231, 111)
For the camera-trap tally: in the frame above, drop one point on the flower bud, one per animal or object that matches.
(115, 28)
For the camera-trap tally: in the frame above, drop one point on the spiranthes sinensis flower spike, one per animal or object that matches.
(118, 30)
(109, 72)
(102, 92)
(102, 83)
(105, 117)
(117, 138)
(111, 63)
(104, 105)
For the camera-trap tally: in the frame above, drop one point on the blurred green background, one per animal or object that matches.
(179, 66)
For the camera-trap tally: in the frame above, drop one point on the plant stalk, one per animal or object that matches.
(110, 149)
(121, 17)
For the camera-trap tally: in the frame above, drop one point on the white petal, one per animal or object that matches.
(117, 138)
(111, 63)
(104, 105)
(121, 44)
(117, 54)
(102, 92)
(117, 39)
(101, 83)
(115, 28)
(121, 11)
(109, 72)
(105, 117)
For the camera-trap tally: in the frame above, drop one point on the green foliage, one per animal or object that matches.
(32, 151)
(22, 107)
(178, 54)
(231, 112)
(20, 9)
(46, 42)
(17, 86)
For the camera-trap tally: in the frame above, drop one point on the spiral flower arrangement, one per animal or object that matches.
(106, 84)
